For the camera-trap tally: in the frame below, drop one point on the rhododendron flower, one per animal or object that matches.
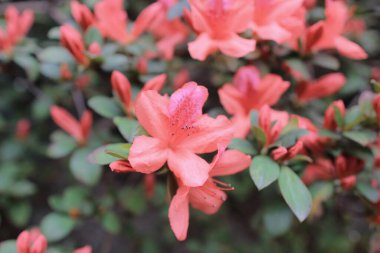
(330, 122)
(79, 130)
(272, 122)
(72, 40)
(22, 129)
(179, 131)
(210, 196)
(122, 87)
(32, 241)
(82, 14)
(85, 249)
(112, 20)
(328, 34)
(324, 86)
(376, 106)
(17, 26)
(281, 153)
(218, 23)
(169, 33)
(276, 20)
(249, 91)
(325, 169)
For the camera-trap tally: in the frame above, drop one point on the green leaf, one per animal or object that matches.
(368, 192)
(133, 199)
(84, 171)
(55, 54)
(110, 222)
(290, 138)
(50, 70)
(176, 10)
(295, 193)
(327, 133)
(104, 106)
(326, 61)
(56, 226)
(115, 62)
(22, 189)
(99, 156)
(254, 118)
(353, 117)
(259, 135)
(93, 35)
(277, 220)
(29, 64)
(120, 151)
(62, 144)
(243, 146)
(19, 213)
(338, 117)
(263, 171)
(8, 246)
(129, 128)
(361, 137)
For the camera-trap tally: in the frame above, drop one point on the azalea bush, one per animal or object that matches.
(190, 126)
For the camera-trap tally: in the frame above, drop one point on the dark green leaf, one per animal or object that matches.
(99, 156)
(129, 128)
(62, 144)
(111, 223)
(368, 192)
(55, 55)
(104, 106)
(290, 138)
(56, 226)
(84, 171)
(361, 137)
(243, 146)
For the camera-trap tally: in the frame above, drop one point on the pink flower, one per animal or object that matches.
(332, 30)
(276, 19)
(85, 249)
(283, 154)
(169, 33)
(82, 14)
(72, 40)
(112, 20)
(79, 130)
(208, 197)
(250, 91)
(330, 122)
(17, 26)
(218, 23)
(122, 87)
(179, 131)
(272, 122)
(22, 129)
(324, 86)
(32, 241)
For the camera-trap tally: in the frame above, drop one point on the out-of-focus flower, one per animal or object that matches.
(376, 106)
(85, 249)
(322, 87)
(169, 33)
(79, 130)
(179, 131)
(328, 33)
(182, 77)
(32, 241)
(17, 26)
(82, 81)
(348, 183)
(277, 20)
(112, 21)
(82, 14)
(95, 49)
(283, 154)
(149, 185)
(65, 72)
(309, 4)
(72, 40)
(329, 121)
(272, 122)
(218, 23)
(250, 91)
(22, 129)
(122, 87)
(208, 197)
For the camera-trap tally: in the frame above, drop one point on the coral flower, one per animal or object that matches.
(330, 121)
(32, 241)
(85, 249)
(218, 23)
(179, 131)
(72, 40)
(328, 33)
(272, 122)
(324, 86)
(79, 130)
(275, 19)
(169, 33)
(250, 91)
(210, 196)
(82, 14)
(122, 87)
(17, 26)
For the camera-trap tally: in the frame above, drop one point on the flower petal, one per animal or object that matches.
(203, 46)
(188, 167)
(147, 154)
(231, 99)
(155, 83)
(350, 49)
(152, 113)
(207, 134)
(179, 213)
(230, 162)
(121, 167)
(207, 198)
(236, 46)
